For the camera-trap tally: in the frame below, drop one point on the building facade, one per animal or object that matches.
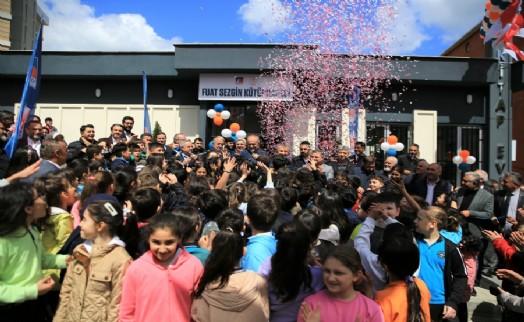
(444, 104)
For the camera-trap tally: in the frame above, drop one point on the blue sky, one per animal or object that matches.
(423, 27)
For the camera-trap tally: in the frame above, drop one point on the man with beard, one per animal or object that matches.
(366, 171)
(476, 207)
(302, 159)
(317, 163)
(358, 158)
(342, 162)
(389, 163)
(433, 185)
(409, 161)
(77, 149)
(128, 122)
(199, 146)
(33, 130)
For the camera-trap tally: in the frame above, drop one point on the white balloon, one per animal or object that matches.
(385, 146)
(225, 115)
(241, 134)
(226, 133)
(399, 146)
(457, 159)
(471, 159)
(211, 113)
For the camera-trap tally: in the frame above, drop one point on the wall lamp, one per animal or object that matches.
(469, 98)
(170, 93)
(98, 92)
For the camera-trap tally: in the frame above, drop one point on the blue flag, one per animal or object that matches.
(147, 122)
(29, 95)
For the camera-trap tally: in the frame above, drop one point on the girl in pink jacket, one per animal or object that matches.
(159, 286)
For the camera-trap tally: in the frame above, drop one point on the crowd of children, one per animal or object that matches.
(251, 242)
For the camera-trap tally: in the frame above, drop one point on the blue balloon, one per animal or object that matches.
(463, 166)
(219, 107)
(211, 145)
(392, 152)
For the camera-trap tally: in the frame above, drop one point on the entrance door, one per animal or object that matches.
(378, 133)
(452, 139)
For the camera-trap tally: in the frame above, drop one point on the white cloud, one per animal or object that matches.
(442, 21)
(454, 18)
(264, 16)
(74, 26)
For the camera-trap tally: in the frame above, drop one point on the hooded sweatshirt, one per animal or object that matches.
(152, 292)
(244, 298)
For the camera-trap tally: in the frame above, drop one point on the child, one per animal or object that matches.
(92, 286)
(405, 298)
(159, 285)
(226, 292)
(290, 277)
(190, 216)
(22, 256)
(261, 215)
(441, 264)
(340, 301)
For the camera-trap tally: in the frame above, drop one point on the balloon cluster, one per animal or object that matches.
(392, 146)
(234, 131)
(463, 160)
(218, 114)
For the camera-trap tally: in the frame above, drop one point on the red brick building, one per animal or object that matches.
(471, 45)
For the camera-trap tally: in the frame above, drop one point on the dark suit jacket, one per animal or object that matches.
(420, 187)
(364, 177)
(480, 211)
(500, 197)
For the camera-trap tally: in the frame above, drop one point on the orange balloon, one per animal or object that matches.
(464, 154)
(392, 139)
(235, 127)
(218, 120)
(218, 114)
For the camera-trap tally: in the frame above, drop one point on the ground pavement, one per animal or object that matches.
(483, 307)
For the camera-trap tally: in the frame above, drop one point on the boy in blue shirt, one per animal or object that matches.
(261, 215)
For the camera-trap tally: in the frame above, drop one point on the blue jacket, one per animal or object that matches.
(259, 248)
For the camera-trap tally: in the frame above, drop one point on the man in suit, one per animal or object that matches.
(33, 130)
(508, 201)
(302, 159)
(318, 158)
(367, 170)
(161, 138)
(116, 136)
(54, 156)
(432, 186)
(476, 207)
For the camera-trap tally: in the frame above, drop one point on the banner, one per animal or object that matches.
(354, 105)
(29, 95)
(147, 122)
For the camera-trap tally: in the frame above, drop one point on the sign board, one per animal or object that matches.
(244, 87)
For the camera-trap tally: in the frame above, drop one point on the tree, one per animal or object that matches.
(157, 130)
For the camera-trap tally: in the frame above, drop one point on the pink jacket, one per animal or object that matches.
(154, 293)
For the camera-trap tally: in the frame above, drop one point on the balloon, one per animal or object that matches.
(211, 113)
(463, 166)
(219, 107)
(226, 115)
(399, 146)
(241, 134)
(226, 133)
(392, 152)
(218, 120)
(385, 146)
(234, 127)
(457, 159)
(392, 139)
(471, 160)
(234, 135)
(211, 145)
(464, 160)
(464, 153)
